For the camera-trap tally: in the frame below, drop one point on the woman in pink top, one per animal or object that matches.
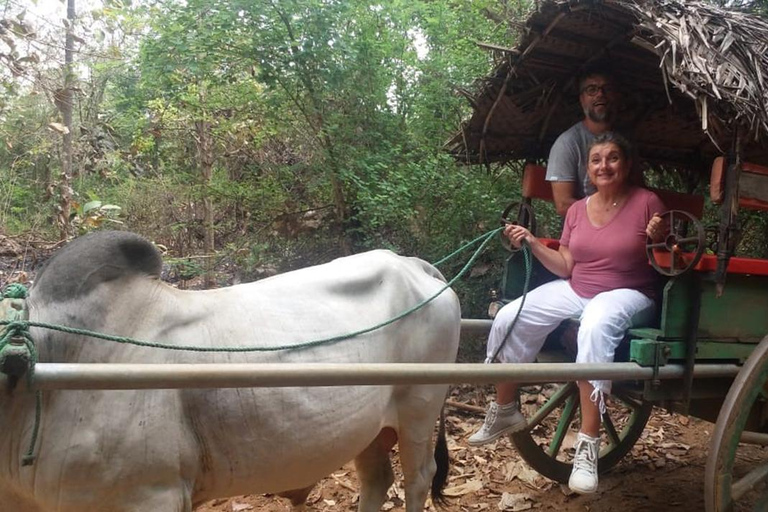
(605, 280)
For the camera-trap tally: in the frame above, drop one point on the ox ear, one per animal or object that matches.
(96, 258)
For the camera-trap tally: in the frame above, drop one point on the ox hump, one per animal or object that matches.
(94, 259)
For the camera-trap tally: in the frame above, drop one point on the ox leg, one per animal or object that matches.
(416, 459)
(374, 471)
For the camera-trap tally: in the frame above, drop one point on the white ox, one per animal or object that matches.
(169, 450)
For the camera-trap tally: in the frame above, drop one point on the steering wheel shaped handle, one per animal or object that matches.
(677, 241)
(520, 214)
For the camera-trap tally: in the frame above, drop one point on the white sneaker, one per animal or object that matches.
(499, 420)
(584, 474)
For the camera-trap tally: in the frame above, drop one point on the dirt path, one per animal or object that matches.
(665, 471)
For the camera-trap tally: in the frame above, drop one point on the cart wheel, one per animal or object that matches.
(723, 491)
(623, 423)
(678, 241)
(520, 214)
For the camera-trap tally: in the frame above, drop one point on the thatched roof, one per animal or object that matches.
(691, 73)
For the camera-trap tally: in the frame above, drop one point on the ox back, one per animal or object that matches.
(168, 450)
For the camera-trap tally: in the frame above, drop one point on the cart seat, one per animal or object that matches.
(753, 185)
(708, 263)
(536, 186)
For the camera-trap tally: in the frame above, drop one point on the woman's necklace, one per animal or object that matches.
(608, 205)
(612, 204)
(618, 201)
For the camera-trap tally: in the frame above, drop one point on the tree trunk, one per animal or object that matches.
(316, 121)
(340, 203)
(65, 106)
(205, 157)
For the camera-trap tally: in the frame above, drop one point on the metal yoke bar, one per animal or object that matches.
(50, 376)
(475, 326)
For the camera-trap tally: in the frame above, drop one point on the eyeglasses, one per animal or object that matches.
(592, 90)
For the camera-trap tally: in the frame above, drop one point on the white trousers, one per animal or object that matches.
(604, 320)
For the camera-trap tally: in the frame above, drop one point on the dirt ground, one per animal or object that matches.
(664, 471)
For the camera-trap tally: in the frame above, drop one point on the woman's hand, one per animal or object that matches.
(558, 261)
(517, 234)
(657, 228)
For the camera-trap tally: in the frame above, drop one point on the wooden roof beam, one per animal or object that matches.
(510, 72)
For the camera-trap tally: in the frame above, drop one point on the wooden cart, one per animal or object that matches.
(696, 105)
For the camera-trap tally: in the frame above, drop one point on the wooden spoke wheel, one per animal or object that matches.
(679, 240)
(734, 481)
(520, 214)
(541, 445)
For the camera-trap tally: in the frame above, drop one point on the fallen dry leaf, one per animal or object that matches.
(480, 460)
(515, 502)
(681, 446)
(465, 488)
(523, 472)
(344, 483)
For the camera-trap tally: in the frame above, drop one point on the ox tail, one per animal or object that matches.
(443, 462)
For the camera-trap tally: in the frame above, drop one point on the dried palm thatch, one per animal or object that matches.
(692, 74)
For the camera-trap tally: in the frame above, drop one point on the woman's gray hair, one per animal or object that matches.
(612, 138)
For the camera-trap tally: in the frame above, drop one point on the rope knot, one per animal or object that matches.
(17, 353)
(18, 357)
(15, 291)
(14, 329)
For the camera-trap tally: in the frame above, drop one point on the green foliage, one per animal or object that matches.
(326, 117)
(94, 214)
(184, 269)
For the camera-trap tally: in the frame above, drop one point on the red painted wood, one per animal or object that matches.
(708, 263)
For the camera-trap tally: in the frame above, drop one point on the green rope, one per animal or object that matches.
(29, 457)
(14, 291)
(528, 272)
(14, 331)
(24, 325)
(468, 244)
